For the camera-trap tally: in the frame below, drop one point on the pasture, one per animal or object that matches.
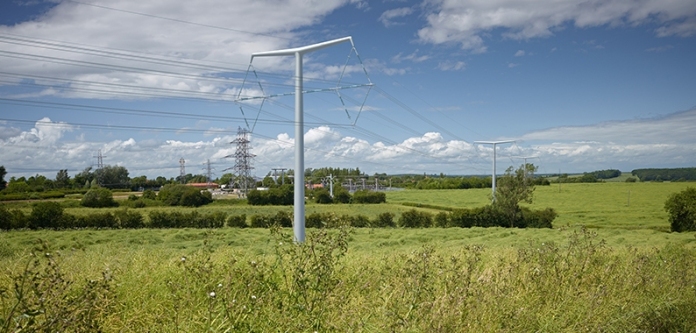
(609, 264)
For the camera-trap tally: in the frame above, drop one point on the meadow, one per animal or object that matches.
(608, 265)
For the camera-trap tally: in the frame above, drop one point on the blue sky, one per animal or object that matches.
(581, 85)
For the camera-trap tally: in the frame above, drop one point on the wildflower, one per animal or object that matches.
(212, 294)
(219, 285)
(253, 296)
(183, 259)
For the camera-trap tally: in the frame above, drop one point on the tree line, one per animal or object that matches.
(677, 174)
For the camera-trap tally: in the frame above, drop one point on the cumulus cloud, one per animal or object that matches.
(451, 65)
(466, 22)
(116, 48)
(387, 18)
(666, 141)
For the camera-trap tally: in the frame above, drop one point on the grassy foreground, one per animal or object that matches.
(624, 274)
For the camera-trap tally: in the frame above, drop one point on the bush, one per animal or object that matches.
(98, 198)
(274, 196)
(384, 220)
(6, 219)
(463, 218)
(681, 208)
(282, 219)
(212, 220)
(237, 221)
(97, 220)
(415, 219)
(356, 221)
(149, 194)
(442, 220)
(260, 221)
(341, 195)
(369, 197)
(182, 195)
(45, 215)
(538, 218)
(314, 220)
(322, 196)
(129, 220)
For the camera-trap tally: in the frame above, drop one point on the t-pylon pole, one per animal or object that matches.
(299, 204)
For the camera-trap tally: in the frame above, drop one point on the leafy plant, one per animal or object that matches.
(98, 198)
(682, 210)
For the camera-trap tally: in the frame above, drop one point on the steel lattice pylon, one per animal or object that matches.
(242, 160)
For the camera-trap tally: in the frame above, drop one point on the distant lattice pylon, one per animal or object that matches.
(243, 159)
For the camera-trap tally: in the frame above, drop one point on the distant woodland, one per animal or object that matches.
(679, 174)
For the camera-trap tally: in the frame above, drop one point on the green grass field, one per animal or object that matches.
(608, 265)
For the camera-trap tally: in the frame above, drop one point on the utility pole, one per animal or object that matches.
(331, 185)
(182, 170)
(242, 159)
(208, 174)
(100, 166)
(299, 203)
(282, 175)
(494, 143)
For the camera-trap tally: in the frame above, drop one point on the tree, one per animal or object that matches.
(514, 187)
(62, 179)
(183, 195)
(3, 172)
(84, 178)
(112, 177)
(98, 198)
(682, 210)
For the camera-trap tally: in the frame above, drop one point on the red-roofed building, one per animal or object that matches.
(203, 185)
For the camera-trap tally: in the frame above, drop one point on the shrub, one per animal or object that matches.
(681, 208)
(97, 220)
(149, 194)
(314, 220)
(274, 196)
(46, 215)
(463, 218)
(260, 221)
(631, 180)
(341, 195)
(133, 197)
(237, 221)
(415, 219)
(212, 220)
(6, 219)
(369, 197)
(282, 219)
(182, 195)
(129, 219)
(98, 198)
(538, 218)
(356, 221)
(442, 220)
(384, 220)
(322, 196)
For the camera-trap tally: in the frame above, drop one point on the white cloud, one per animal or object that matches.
(451, 65)
(387, 18)
(519, 53)
(465, 22)
(656, 142)
(414, 57)
(185, 59)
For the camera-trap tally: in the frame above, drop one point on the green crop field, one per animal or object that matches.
(609, 264)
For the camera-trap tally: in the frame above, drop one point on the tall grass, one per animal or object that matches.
(566, 280)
